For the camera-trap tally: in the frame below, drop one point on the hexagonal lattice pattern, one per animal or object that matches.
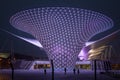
(61, 30)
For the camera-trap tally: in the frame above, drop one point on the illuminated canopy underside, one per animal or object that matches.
(62, 31)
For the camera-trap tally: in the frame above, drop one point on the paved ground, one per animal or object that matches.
(39, 75)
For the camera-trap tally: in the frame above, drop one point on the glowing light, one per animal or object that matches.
(94, 53)
(81, 55)
(62, 31)
(32, 41)
(89, 43)
(99, 49)
(0, 59)
(4, 55)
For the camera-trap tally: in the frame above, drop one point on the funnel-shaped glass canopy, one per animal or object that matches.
(62, 31)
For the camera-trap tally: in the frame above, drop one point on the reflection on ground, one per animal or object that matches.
(39, 75)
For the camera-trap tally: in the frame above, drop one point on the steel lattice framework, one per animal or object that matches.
(62, 31)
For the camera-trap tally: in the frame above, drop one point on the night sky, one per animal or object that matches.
(110, 8)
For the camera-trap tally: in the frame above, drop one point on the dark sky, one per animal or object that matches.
(111, 8)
